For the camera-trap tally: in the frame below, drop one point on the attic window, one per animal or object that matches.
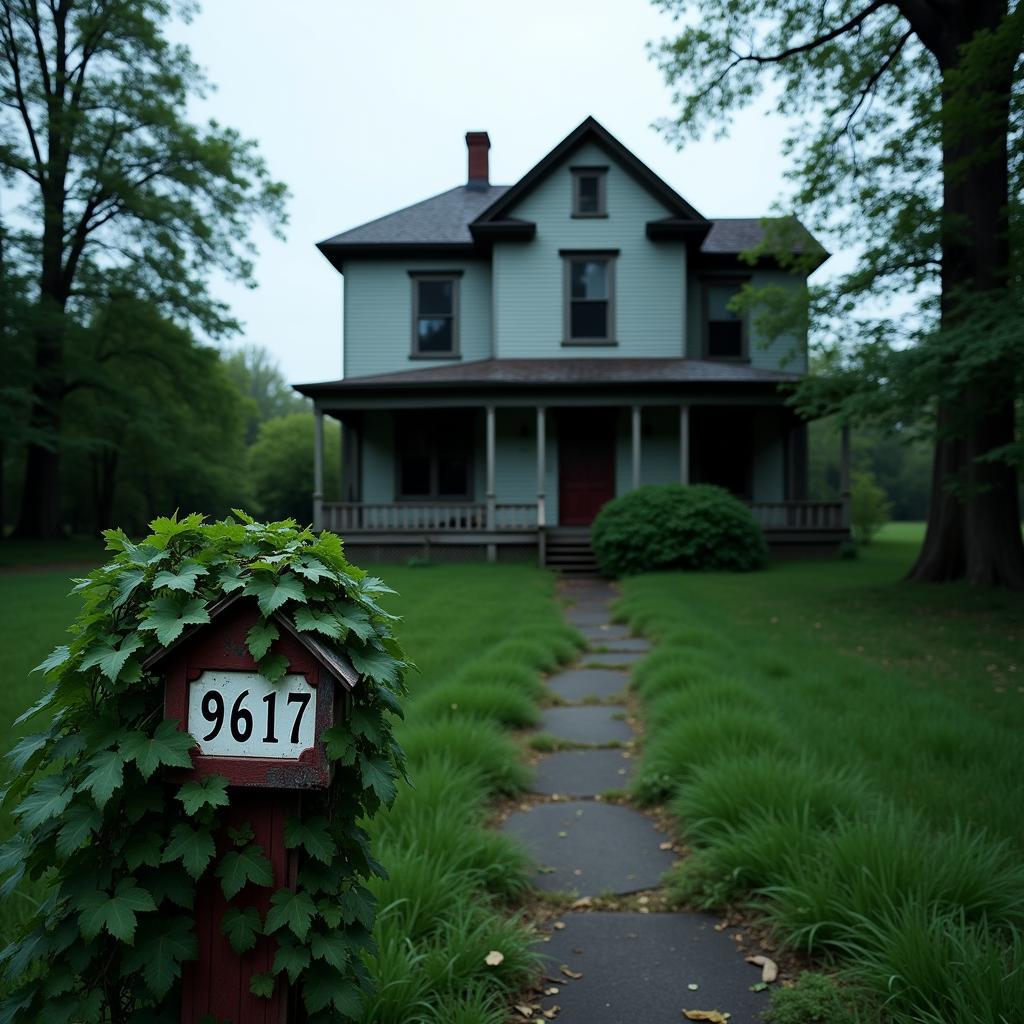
(435, 315)
(588, 192)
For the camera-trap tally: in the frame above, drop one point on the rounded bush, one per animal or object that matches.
(670, 526)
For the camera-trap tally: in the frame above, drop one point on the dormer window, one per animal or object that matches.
(588, 192)
(435, 314)
(725, 330)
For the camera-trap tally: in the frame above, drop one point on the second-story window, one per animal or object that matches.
(725, 330)
(589, 298)
(435, 315)
(588, 192)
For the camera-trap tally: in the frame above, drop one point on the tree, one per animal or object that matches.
(281, 465)
(910, 146)
(258, 377)
(121, 193)
(869, 507)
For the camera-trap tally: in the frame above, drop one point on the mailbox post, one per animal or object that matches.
(266, 739)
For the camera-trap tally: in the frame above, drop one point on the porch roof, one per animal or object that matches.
(559, 374)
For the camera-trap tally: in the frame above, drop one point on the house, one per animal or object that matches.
(517, 355)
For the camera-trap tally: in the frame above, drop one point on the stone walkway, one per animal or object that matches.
(614, 967)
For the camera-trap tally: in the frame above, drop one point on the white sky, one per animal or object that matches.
(361, 108)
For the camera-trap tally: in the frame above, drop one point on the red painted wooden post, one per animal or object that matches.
(264, 791)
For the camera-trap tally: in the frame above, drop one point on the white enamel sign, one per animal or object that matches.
(240, 714)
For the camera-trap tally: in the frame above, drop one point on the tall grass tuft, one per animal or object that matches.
(488, 701)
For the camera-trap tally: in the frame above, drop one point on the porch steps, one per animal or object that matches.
(569, 552)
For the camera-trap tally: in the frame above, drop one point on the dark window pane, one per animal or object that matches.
(725, 338)
(589, 279)
(436, 298)
(435, 334)
(414, 475)
(719, 297)
(588, 191)
(589, 320)
(452, 476)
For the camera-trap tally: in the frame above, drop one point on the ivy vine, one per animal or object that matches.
(121, 850)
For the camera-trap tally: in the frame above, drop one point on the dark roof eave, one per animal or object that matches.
(337, 252)
(676, 229)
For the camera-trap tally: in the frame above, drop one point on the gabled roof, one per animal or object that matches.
(592, 131)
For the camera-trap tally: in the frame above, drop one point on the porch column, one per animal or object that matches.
(492, 552)
(636, 447)
(541, 483)
(684, 444)
(318, 468)
(844, 475)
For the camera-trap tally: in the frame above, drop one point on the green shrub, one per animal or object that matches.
(670, 526)
(814, 999)
(869, 507)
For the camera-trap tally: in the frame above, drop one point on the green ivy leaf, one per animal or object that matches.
(231, 579)
(317, 620)
(57, 657)
(314, 836)
(209, 791)
(242, 928)
(183, 578)
(79, 821)
(239, 867)
(291, 958)
(22, 752)
(273, 667)
(44, 702)
(144, 848)
(340, 745)
(116, 913)
(173, 883)
(260, 637)
(262, 985)
(168, 616)
(295, 909)
(367, 722)
(107, 775)
(376, 665)
(110, 659)
(330, 911)
(312, 569)
(167, 746)
(273, 592)
(323, 986)
(332, 947)
(194, 847)
(160, 948)
(358, 904)
(48, 799)
(379, 776)
(351, 617)
(127, 583)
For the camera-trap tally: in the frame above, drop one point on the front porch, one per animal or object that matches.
(527, 476)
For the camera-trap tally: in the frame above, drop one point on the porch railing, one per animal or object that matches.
(402, 516)
(798, 515)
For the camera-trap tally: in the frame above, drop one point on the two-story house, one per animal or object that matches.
(517, 355)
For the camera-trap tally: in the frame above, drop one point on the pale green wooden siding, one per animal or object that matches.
(378, 314)
(786, 352)
(649, 292)
(378, 457)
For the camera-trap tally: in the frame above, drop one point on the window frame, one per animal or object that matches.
(707, 283)
(601, 173)
(408, 422)
(607, 256)
(452, 276)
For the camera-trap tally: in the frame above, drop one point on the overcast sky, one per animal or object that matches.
(361, 109)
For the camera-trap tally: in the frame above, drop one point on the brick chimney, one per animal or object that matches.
(478, 143)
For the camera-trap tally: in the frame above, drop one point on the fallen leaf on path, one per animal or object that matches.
(583, 901)
(494, 958)
(769, 969)
(664, 846)
(714, 1016)
(552, 990)
(693, 986)
(552, 1013)
(559, 925)
(526, 1011)
(570, 973)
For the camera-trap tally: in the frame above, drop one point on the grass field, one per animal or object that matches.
(479, 635)
(844, 749)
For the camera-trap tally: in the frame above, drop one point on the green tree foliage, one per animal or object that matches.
(869, 507)
(125, 196)
(908, 146)
(122, 849)
(258, 377)
(280, 465)
(669, 526)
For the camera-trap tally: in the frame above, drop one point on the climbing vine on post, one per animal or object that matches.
(122, 849)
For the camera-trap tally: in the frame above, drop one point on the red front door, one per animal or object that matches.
(586, 464)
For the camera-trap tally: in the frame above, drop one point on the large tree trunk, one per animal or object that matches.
(974, 515)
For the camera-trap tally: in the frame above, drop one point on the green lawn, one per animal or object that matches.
(844, 748)
(479, 635)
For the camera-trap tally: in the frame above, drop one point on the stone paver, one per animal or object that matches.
(596, 634)
(586, 725)
(587, 615)
(612, 659)
(582, 772)
(637, 968)
(632, 645)
(573, 844)
(580, 683)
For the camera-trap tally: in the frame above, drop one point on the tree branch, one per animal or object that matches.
(873, 81)
(11, 49)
